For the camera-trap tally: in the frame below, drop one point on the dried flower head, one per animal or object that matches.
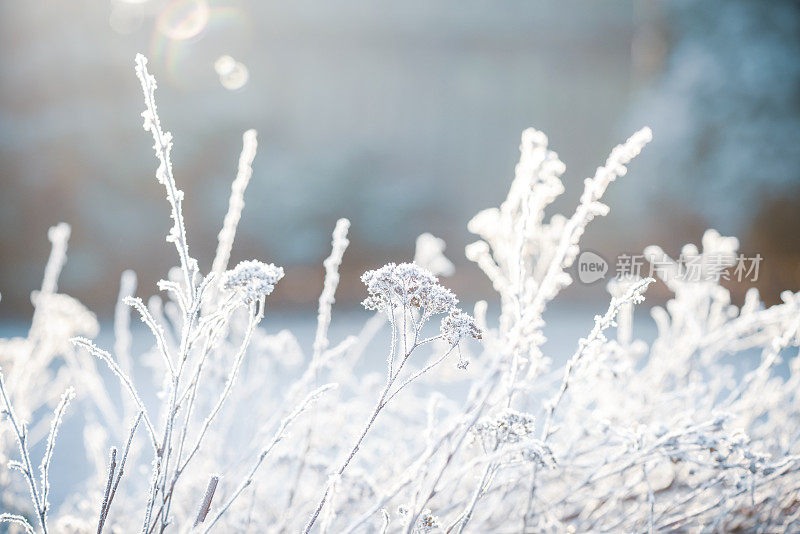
(408, 285)
(513, 432)
(510, 426)
(457, 325)
(252, 279)
(427, 523)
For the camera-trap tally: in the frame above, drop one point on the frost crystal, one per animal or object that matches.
(457, 325)
(406, 285)
(252, 279)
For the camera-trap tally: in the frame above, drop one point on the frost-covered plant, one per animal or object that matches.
(226, 425)
(409, 295)
(253, 280)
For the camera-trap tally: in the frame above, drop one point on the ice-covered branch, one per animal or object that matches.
(162, 144)
(235, 202)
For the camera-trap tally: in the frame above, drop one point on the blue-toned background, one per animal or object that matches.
(402, 116)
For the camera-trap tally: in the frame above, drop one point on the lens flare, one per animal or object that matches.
(177, 51)
(183, 19)
(235, 78)
(224, 65)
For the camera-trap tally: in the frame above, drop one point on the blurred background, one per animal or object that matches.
(402, 116)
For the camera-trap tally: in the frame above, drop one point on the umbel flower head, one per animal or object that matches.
(458, 325)
(427, 524)
(252, 279)
(509, 426)
(407, 285)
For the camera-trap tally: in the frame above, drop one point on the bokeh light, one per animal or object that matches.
(183, 19)
(232, 74)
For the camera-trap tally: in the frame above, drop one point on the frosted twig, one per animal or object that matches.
(191, 391)
(112, 467)
(18, 520)
(479, 490)
(340, 470)
(205, 505)
(113, 483)
(158, 332)
(401, 282)
(278, 436)
(419, 373)
(109, 361)
(255, 318)
(21, 435)
(326, 299)
(602, 323)
(385, 521)
(589, 207)
(58, 236)
(632, 295)
(163, 146)
(235, 202)
(58, 416)
(471, 415)
(768, 359)
(162, 472)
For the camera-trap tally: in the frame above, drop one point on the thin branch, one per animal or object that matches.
(278, 436)
(18, 520)
(112, 467)
(21, 434)
(58, 416)
(109, 360)
(163, 146)
(205, 505)
(235, 202)
(111, 490)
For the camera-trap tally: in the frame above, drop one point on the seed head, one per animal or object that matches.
(252, 279)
